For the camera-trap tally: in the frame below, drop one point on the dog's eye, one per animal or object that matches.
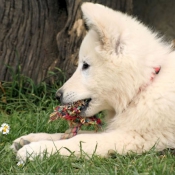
(85, 66)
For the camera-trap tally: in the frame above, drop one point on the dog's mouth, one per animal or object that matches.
(82, 105)
(85, 104)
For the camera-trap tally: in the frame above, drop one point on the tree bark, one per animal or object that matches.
(38, 35)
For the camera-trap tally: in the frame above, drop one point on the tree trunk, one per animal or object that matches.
(38, 35)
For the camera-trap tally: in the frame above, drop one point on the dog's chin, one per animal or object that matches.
(89, 113)
(85, 113)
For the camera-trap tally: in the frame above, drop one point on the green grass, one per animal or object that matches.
(26, 107)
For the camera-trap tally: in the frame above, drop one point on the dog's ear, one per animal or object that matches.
(92, 16)
(103, 21)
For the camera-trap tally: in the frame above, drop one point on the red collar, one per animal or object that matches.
(156, 71)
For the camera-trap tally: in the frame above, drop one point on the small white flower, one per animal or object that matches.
(5, 128)
(20, 163)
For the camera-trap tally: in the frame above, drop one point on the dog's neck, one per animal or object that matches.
(143, 87)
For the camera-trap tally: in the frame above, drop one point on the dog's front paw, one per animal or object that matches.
(41, 148)
(31, 151)
(34, 137)
(19, 143)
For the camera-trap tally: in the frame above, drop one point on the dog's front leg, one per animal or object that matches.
(35, 137)
(100, 143)
(88, 143)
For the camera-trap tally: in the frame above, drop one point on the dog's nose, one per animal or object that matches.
(59, 95)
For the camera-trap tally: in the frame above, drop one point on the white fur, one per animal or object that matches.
(122, 54)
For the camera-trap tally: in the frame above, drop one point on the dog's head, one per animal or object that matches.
(113, 63)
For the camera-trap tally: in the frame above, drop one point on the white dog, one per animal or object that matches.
(127, 71)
